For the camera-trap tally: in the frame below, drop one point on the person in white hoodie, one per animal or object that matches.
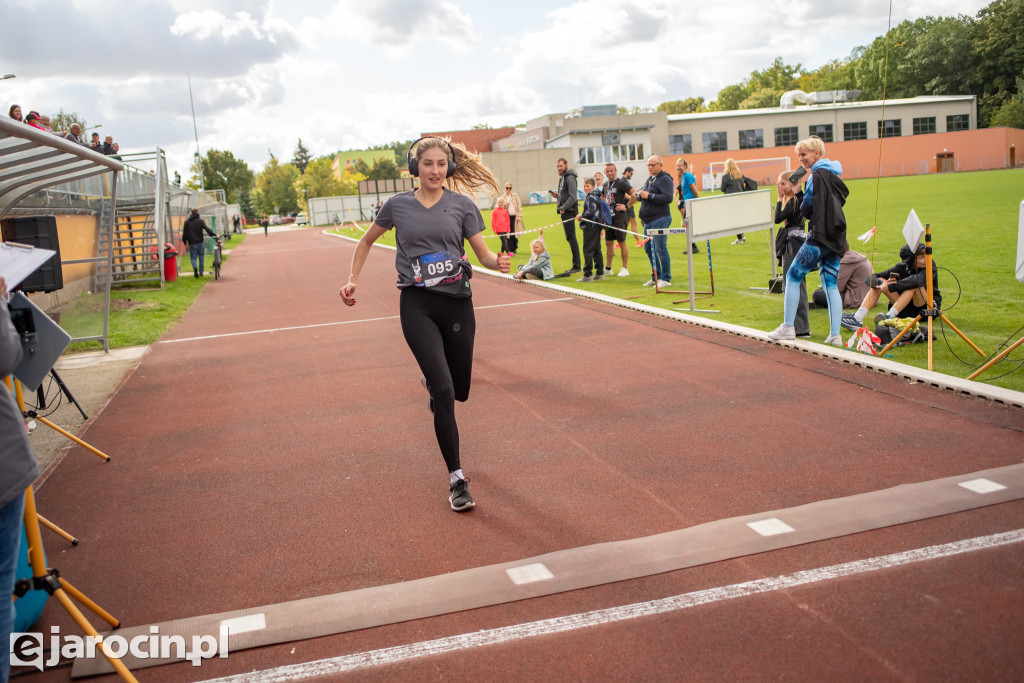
(821, 203)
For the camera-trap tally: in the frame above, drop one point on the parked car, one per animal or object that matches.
(302, 219)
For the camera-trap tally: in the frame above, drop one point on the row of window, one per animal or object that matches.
(789, 135)
(611, 153)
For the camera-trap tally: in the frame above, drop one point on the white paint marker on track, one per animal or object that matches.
(506, 634)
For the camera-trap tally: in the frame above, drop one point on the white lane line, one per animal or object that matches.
(771, 527)
(338, 322)
(392, 655)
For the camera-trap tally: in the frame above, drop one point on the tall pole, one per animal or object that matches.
(195, 129)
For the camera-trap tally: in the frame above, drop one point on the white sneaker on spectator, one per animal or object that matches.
(623, 272)
(663, 283)
(834, 340)
(783, 331)
(649, 283)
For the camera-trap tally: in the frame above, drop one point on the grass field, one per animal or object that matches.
(973, 217)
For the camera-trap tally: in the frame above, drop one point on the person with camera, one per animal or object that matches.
(904, 285)
(432, 224)
(18, 469)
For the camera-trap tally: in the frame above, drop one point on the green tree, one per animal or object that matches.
(835, 74)
(482, 126)
(1011, 111)
(63, 120)
(223, 171)
(762, 97)
(691, 105)
(319, 180)
(383, 169)
(246, 204)
(301, 157)
(275, 188)
(999, 51)
(778, 77)
(729, 98)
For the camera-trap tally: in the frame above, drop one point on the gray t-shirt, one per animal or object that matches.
(430, 240)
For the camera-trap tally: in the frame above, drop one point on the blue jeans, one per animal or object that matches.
(656, 248)
(11, 519)
(197, 252)
(826, 261)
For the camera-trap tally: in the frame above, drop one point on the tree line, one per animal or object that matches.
(981, 55)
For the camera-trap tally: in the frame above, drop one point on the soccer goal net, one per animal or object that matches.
(764, 171)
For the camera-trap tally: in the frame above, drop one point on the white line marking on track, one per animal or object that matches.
(393, 655)
(771, 527)
(338, 322)
(982, 485)
(529, 573)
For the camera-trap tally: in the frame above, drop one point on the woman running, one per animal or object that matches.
(435, 306)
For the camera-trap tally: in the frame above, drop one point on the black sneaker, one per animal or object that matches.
(458, 496)
(879, 318)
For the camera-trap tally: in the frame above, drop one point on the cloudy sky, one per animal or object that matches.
(350, 73)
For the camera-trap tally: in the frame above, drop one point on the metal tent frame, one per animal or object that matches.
(32, 160)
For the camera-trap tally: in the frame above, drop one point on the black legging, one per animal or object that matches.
(440, 330)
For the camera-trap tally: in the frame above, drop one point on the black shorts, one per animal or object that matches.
(630, 212)
(617, 233)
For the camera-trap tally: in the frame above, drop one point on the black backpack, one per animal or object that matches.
(749, 184)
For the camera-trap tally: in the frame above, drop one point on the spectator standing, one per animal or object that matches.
(788, 241)
(593, 263)
(265, 223)
(108, 146)
(192, 237)
(567, 205)
(627, 173)
(18, 470)
(236, 224)
(15, 113)
(620, 197)
(117, 148)
(656, 196)
(95, 143)
(33, 120)
(687, 189)
(733, 180)
(821, 203)
(177, 178)
(599, 182)
(75, 134)
(510, 200)
(854, 276)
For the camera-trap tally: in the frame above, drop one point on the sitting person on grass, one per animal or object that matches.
(539, 266)
(853, 282)
(904, 285)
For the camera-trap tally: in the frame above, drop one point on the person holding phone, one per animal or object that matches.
(821, 203)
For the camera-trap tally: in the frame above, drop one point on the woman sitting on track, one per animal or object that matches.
(435, 305)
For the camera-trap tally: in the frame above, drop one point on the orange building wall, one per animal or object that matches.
(973, 150)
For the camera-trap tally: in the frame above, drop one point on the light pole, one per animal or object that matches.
(6, 76)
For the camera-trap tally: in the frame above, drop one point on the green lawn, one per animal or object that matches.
(973, 219)
(139, 314)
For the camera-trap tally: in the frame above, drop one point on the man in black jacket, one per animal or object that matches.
(905, 285)
(567, 207)
(192, 237)
(655, 214)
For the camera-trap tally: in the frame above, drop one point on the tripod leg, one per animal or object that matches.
(962, 335)
(67, 392)
(84, 624)
(73, 438)
(900, 336)
(995, 360)
(85, 600)
(57, 530)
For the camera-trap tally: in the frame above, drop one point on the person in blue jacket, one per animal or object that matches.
(821, 203)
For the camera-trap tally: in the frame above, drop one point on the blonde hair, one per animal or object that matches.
(790, 197)
(536, 242)
(811, 144)
(470, 173)
(732, 169)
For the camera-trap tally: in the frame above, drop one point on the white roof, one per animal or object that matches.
(924, 99)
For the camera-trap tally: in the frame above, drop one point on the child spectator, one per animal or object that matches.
(788, 241)
(593, 261)
(539, 266)
(904, 285)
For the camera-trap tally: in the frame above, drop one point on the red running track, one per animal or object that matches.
(276, 446)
